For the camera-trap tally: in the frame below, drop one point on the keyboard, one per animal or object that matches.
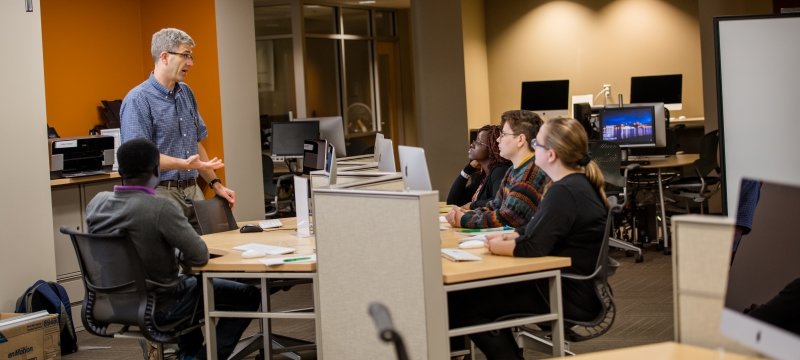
(459, 255)
(270, 223)
(83, 173)
(266, 249)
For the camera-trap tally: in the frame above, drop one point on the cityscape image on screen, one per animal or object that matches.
(631, 126)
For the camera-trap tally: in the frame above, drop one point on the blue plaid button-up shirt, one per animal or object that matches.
(167, 118)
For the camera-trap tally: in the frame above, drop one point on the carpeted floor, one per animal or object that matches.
(643, 294)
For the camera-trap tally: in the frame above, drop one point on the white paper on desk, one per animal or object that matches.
(442, 219)
(301, 206)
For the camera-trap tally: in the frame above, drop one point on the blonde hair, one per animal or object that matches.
(568, 139)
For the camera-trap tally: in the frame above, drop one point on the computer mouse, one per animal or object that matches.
(250, 254)
(249, 228)
(472, 244)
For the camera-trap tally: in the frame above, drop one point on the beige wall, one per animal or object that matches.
(591, 43)
(475, 63)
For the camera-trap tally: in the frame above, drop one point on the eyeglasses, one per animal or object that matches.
(503, 134)
(187, 56)
(535, 143)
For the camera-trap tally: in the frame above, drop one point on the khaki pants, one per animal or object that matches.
(180, 197)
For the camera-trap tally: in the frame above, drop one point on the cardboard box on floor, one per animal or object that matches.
(31, 339)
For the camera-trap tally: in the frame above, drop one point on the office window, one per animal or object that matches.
(355, 22)
(319, 19)
(322, 77)
(358, 84)
(384, 23)
(273, 20)
(276, 88)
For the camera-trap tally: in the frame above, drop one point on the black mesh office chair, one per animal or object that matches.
(575, 330)
(697, 189)
(278, 193)
(118, 293)
(608, 157)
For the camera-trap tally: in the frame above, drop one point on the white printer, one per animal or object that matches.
(81, 156)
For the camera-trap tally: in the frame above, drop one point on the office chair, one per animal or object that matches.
(697, 189)
(274, 197)
(608, 157)
(575, 330)
(214, 215)
(386, 331)
(118, 292)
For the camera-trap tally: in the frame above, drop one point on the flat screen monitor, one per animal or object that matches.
(288, 137)
(377, 154)
(330, 164)
(331, 128)
(660, 122)
(547, 98)
(762, 300)
(658, 88)
(414, 168)
(385, 151)
(632, 126)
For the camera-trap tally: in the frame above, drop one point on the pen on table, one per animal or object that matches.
(297, 259)
(504, 228)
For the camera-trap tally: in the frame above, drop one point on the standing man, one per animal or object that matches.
(163, 110)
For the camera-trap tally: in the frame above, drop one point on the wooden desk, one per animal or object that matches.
(663, 351)
(228, 263)
(496, 270)
(672, 161)
(84, 179)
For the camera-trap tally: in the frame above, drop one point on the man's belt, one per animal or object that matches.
(180, 184)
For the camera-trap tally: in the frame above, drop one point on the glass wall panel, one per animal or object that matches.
(319, 19)
(355, 21)
(276, 88)
(358, 81)
(384, 23)
(322, 77)
(273, 20)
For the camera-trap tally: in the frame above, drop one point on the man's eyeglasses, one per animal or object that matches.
(535, 143)
(503, 134)
(187, 56)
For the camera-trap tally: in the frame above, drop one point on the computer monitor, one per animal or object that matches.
(547, 98)
(331, 128)
(288, 137)
(632, 126)
(660, 121)
(658, 88)
(762, 307)
(414, 168)
(330, 164)
(385, 151)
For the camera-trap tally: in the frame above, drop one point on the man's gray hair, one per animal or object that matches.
(168, 39)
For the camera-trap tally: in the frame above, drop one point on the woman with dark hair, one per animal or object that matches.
(481, 178)
(569, 221)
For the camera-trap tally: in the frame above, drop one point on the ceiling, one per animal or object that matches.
(396, 4)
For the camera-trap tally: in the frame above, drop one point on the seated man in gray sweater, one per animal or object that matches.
(164, 239)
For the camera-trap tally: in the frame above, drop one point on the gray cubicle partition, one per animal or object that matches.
(758, 86)
(379, 246)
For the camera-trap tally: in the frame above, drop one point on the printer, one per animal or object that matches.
(81, 156)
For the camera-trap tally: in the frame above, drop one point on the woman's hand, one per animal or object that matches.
(502, 244)
(454, 216)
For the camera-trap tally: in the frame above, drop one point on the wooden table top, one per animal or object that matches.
(678, 160)
(84, 179)
(491, 266)
(663, 351)
(224, 258)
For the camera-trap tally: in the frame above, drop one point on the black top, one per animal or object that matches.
(569, 221)
(462, 189)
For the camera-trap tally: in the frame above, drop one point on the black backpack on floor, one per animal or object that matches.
(50, 296)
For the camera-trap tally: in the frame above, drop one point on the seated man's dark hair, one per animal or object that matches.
(137, 158)
(524, 122)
